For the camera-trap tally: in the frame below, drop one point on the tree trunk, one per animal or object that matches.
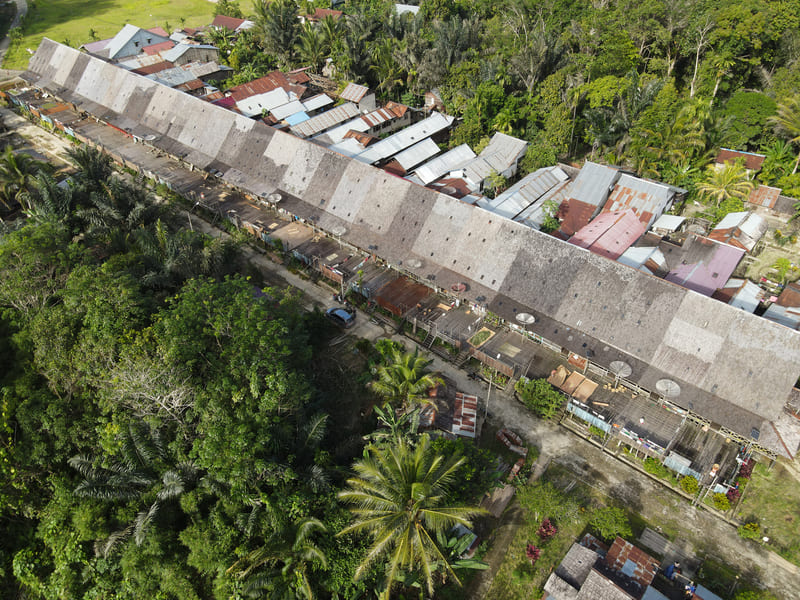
(795, 164)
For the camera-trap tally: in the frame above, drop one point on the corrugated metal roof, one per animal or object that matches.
(230, 23)
(315, 102)
(354, 92)
(442, 165)
(284, 110)
(419, 152)
(348, 147)
(269, 82)
(253, 105)
(362, 124)
(742, 229)
(534, 215)
(648, 199)
(326, 120)
(593, 184)
(156, 48)
(175, 53)
(172, 77)
(702, 265)
(610, 234)
(752, 161)
(765, 196)
(500, 155)
(742, 294)
(526, 191)
(404, 138)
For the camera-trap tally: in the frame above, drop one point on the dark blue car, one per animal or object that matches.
(341, 317)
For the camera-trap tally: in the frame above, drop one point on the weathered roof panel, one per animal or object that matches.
(441, 165)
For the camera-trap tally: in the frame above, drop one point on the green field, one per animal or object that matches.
(70, 21)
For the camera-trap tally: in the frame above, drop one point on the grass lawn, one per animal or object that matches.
(70, 21)
(772, 498)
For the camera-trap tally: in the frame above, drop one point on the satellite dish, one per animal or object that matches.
(525, 318)
(620, 368)
(414, 263)
(338, 230)
(274, 197)
(668, 388)
(149, 138)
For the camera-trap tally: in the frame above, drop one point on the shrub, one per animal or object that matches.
(689, 485)
(532, 552)
(749, 531)
(733, 495)
(721, 502)
(594, 430)
(610, 522)
(539, 396)
(746, 470)
(546, 530)
(655, 467)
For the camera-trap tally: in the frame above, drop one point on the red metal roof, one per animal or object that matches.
(226, 22)
(154, 68)
(265, 84)
(156, 48)
(610, 234)
(573, 215)
(764, 195)
(226, 102)
(644, 567)
(465, 415)
(752, 161)
(454, 186)
(159, 31)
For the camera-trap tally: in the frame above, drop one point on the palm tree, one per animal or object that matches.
(405, 378)
(398, 497)
(94, 167)
(787, 123)
(287, 553)
(17, 173)
(730, 181)
(144, 474)
(278, 25)
(49, 201)
(331, 32)
(778, 161)
(311, 47)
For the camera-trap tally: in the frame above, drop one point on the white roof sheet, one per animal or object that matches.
(179, 50)
(253, 105)
(404, 138)
(316, 102)
(441, 165)
(406, 8)
(284, 110)
(326, 120)
(416, 154)
(748, 296)
(668, 222)
(731, 220)
(500, 155)
(348, 146)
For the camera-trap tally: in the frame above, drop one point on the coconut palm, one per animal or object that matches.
(398, 496)
(287, 554)
(48, 201)
(17, 174)
(94, 167)
(730, 181)
(405, 378)
(787, 123)
(278, 26)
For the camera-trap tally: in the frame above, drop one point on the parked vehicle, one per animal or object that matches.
(342, 317)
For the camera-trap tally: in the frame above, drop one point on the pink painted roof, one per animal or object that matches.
(230, 23)
(159, 31)
(703, 265)
(610, 233)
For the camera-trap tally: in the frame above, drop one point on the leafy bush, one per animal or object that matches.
(655, 467)
(539, 396)
(689, 485)
(594, 430)
(749, 531)
(721, 502)
(532, 552)
(746, 471)
(733, 495)
(610, 522)
(754, 595)
(477, 475)
(546, 530)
